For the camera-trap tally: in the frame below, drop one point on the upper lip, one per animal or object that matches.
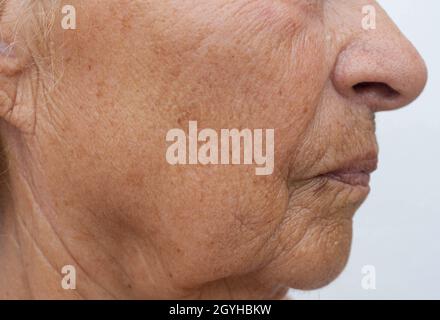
(365, 164)
(355, 171)
(361, 163)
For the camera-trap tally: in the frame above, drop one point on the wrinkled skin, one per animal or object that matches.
(89, 185)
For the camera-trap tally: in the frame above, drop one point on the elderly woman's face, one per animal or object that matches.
(133, 70)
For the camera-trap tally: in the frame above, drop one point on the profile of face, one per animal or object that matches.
(85, 115)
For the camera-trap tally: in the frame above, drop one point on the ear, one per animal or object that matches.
(17, 105)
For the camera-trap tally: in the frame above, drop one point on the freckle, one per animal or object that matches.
(183, 119)
(99, 92)
(175, 72)
(134, 180)
(126, 25)
(90, 67)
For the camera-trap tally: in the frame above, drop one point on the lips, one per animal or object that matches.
(352, 178)
(354, 172)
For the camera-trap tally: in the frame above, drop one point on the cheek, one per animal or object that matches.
(255, 72)
(220, 228)
(257, 67)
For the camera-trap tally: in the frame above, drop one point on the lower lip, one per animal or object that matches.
(351, 178)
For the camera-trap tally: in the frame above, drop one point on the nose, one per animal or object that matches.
(380, 68)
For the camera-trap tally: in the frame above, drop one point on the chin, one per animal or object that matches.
(314, 257)
(325, 260)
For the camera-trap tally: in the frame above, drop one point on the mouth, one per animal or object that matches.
(354, 172)
(342, 184)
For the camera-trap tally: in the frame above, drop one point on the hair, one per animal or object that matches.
(29, 25)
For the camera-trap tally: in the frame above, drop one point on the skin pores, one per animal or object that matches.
(136, 226)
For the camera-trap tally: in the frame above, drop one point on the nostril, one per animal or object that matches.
(378, 89)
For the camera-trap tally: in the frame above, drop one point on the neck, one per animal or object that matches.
(32, 254)
(40, 236)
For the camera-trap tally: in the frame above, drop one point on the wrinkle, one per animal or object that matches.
(40, 215)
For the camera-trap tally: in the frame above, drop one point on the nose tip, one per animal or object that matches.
(382, 70)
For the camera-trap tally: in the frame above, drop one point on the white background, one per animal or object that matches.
(397, 230)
